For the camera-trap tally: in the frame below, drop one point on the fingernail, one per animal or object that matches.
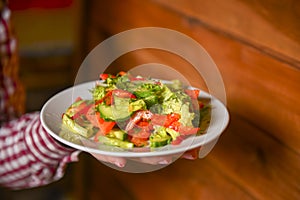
(119, 164)
(163, 162)
(189, 157)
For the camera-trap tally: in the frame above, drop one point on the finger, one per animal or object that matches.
(163, 160)
(118, 161)
(191, 154)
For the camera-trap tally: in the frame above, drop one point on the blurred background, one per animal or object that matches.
(256, 46)
(47, 33)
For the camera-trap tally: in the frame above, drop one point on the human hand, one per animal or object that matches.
(155, 160)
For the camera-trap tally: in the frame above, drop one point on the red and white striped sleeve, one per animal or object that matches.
(29, 156)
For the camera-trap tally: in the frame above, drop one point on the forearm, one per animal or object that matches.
(29, 156)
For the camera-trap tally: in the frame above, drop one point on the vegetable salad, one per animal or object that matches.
(133, 111)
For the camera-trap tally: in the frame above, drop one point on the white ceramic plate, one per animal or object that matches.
(53, 109)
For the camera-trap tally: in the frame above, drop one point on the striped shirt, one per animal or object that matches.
(12, 92)
(29, 156)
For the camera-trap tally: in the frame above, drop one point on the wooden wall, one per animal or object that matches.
(256, 45)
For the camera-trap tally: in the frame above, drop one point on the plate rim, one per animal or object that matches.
(205, 138)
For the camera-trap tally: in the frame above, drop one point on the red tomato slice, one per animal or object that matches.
(139, 142)
(123, 93)
(201, 104)
(97, 121)
(171, 118)
(174, 125)
(122, 73)
(158, 119)
(80, 110)
(105, 76)
(178, 140)
(93, 116)
(105, 126)
(107, 99)
(183, 130)
(78, 99)
(193, 93)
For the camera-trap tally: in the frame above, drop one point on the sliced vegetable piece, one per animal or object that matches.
(174, 134)
(175, 125)
(171, 118)
(75, 107)
(84, 108)
(106, 76)
(93, 116)
(115, 142)
(193, 93)
(158, 141)
(122, 73)
(103, 76)
(117, 133)
(158, 119)
(178, 140)
(98, 92)
(185, 130)
(105, 126)
(123, 93)
(76, 128)
(107, 99)
(137, 117)
(137, 105)
(159, 137)
(120, 108)
(139, 142)
(106, 112)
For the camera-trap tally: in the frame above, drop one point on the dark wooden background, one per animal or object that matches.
(256, 46)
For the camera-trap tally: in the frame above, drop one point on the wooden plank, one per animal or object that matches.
(256, 158)
(251, 21)
(183, 179)
(257, 162)
(259, 87)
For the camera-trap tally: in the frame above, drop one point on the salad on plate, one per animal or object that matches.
(133, 111)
